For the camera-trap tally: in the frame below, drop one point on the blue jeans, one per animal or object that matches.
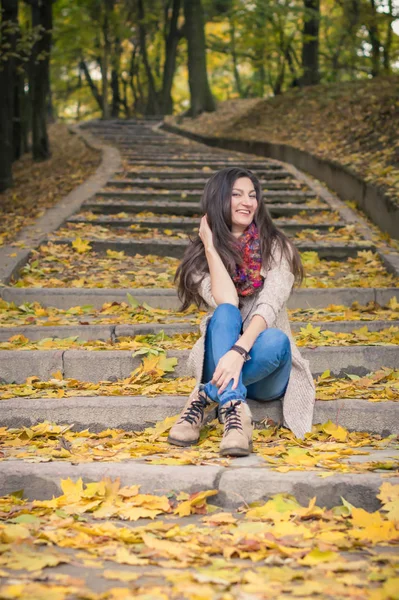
(264, 377)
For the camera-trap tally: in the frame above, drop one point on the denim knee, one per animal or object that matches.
(278, 340)
(226, 315)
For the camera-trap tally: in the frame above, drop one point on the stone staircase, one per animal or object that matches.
(148, 208)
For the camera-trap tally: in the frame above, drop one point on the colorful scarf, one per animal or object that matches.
(247, 277)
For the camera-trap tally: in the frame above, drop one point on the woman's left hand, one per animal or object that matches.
(229, 367)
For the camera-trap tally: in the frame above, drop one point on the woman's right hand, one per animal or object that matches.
(205, 233)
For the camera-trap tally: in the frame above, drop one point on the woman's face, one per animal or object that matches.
(243, 205)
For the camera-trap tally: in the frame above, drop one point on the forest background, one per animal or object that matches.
(82, 59)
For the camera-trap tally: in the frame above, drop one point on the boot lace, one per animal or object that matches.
(232, 417)
(196, 410)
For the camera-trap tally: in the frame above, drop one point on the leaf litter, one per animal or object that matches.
(38, 186)
(273, 549)
(151, 379)
(303, 217)
(346, 234)
(132, 312)
(60, 265)
(156, 343)
(328, 448)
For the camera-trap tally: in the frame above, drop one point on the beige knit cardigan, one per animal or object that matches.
(270, 303)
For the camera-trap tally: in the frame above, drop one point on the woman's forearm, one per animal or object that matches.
(223, 288)
(248, 338)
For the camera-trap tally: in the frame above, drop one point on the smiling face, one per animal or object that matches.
(243, 205)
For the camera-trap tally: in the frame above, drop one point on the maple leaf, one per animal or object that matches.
(115, 254)
(81, 246)
(316, 556)
(193, 503)
(335, 431)
(389, 496)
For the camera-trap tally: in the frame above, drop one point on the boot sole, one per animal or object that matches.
(181, 442)
(237, 451)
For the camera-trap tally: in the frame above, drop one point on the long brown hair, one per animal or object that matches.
(216, 204)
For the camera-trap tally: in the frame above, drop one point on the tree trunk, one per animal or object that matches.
(374, 41)
(152, 100)
(108, 7)
(294, 81)
(169, 68)
(7, 85)
(388, 41)
(50, 106)
(200, 92)
(93, 88)
(236, 73)
(78, 101)
(278, 84)
(310, 45)
(26, 114)
(124, 100)
(115, 73)
(42, 18)
(116, 99)
(132, 73)
(17, 119)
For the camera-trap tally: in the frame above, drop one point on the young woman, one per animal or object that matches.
(243, 269)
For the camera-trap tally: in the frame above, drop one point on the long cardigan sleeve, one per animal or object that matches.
(275, 292)
(205, 291)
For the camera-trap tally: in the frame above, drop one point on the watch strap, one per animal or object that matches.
(241, 351)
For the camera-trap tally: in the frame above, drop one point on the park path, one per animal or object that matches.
(106, 276)
(137, 226)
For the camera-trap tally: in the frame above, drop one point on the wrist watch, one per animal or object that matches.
(241, 351)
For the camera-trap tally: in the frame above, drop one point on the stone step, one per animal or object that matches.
(137, 206)
(194, 184)
(168, 152)
(86, 365)
(150, 140)
(113, 332)
(97, 332)
(169, 222)
(135, 413)
(176, 152)
(65, 298)
(184, 208)
(213, 163)
(195, 154)
(243, 481)
(112, 125)
(189, 223)
(195, 174)
(292, 196)
(176, 248)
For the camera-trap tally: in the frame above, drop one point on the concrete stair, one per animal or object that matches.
(138, 412)
(167, 298)
(189, 223)
(270, 195)
(185, 207)
(165, 175)
(99, 365)
(243, 481)
(176, 248)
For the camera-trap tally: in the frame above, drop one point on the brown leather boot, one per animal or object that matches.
(237, 435)
(186, 430)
